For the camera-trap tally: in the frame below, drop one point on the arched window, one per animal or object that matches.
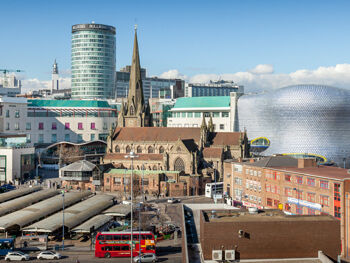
(132, 112)
(139, 149)
(128, 149)
(150, 149)
(179, 165)
(117, 149)
(154, 167)
(161, 149)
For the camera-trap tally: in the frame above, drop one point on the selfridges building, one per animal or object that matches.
(302, 120)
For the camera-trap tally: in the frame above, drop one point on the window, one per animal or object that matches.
(139, 149)
(311, 211)
(287, 177)
(189, 114)
(28, 126)
(93, 126)
(299, 194)
(66, 126)
(311, 181)
(128, 149)
(183, 114)
(337, 188)
(216, 114)
(324, 200)
(150, 149)
(41, 138)
(41, 125)
(29, 138)
(288, 191)
(299, 179)
(54, 126)
(80, 125)
(53, 138)
(161, 149)
(92, 137)
(179, 165)
(117, 149)
(224, 114)
(7, 113)
(117, 180)
(16, 126)
(299, 209)
(197, 114)
(337, 213)
(207, 114)
(105, 126)
(7, 126)
(17, 114)
(222, 126)
(311, 197)
(336, 193)
(67, 137)
(324, 184)
(268, 201)
(80, 138)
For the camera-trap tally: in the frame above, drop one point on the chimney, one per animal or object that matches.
(306, 162)
(251, 160)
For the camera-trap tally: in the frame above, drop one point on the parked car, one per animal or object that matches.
(48, 255)
(147, 257)
(173, 201)
(16, 255)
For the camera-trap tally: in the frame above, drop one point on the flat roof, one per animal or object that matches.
(42, 103)
(220, 102)
(73, 215)
(330, 172)
(217, 216)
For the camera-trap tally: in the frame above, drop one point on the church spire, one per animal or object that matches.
(135, 97)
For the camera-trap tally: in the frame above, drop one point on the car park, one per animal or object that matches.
(16, 255)
(48, 255)
(147, 257)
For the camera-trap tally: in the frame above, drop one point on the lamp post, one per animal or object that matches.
(297, 189)
(62, 219)
(131, 155)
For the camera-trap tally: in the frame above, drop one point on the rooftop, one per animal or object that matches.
(139, 172)
(202, 102)
(68, 104)
(212, 152)
(141, 157)
(79, 166)
(275, 161)
(262, 215)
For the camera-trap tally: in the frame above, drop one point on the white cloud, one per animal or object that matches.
(173, 74)
(35, 84)
(262, 69)
(338, 76)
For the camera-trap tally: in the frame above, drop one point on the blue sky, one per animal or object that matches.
(191, 37)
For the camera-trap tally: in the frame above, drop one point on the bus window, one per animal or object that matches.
(125, 237)
(125, 248)
(116, 237)
(101, 237)
(116, 248)
(136, 237)
(109, 237)
(150, 247)
(149, 237)
(143, 236)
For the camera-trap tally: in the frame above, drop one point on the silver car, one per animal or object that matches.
(16, 255)
(147, 257)
(48, 255)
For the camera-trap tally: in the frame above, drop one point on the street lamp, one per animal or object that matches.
(131, 155)
(62, 219)
(297, 189)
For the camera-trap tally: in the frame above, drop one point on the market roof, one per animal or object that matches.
(79, 166)
(24, 201)
(68, 103)
(202, 102)
(73, 215)
(96, 222)
(17, 193)
(118, 210)
(30, 214)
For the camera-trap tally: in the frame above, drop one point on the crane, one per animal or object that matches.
(5, 71)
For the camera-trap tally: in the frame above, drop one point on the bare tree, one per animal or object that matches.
(69, 154)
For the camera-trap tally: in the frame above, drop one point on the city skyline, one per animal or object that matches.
(259, 45)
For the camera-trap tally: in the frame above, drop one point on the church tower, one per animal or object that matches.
(135, 113)
(55, 81)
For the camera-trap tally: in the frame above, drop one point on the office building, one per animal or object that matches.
(55, 77)
(160, 111)
(303, 120)
(218, 110)
(213, 88)
(10, 85)
(93, 61)
(296, 186)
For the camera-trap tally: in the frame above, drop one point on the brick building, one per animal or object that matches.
(269, 234)
(298, 186)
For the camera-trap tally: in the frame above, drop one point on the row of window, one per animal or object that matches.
(67, 126)
(253, 172)
(199, 114)
(150, 149)
(7, 113)
(67, 137)
(222, 126)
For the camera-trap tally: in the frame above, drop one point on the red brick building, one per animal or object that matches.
(298, 186)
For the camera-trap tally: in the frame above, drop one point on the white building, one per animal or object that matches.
(189, 111)
(10, 85)
(16, 158)
(13, 115)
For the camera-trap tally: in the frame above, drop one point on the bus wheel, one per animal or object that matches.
(107, 255)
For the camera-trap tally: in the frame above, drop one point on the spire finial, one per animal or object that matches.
(135, 27)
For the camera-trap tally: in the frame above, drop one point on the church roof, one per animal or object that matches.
(212, 152)
(226, 138)
(163, 134)
(190, 144)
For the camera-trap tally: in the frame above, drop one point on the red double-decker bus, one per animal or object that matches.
(117, 244)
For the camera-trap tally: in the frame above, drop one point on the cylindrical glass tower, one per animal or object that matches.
(93, 61)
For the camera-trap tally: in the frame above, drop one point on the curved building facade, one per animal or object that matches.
(93, 61)
(308, 120)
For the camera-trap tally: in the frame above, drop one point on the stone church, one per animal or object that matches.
(190, 151)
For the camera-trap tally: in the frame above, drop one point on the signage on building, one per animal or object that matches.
(304, 203)
(248, 204)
